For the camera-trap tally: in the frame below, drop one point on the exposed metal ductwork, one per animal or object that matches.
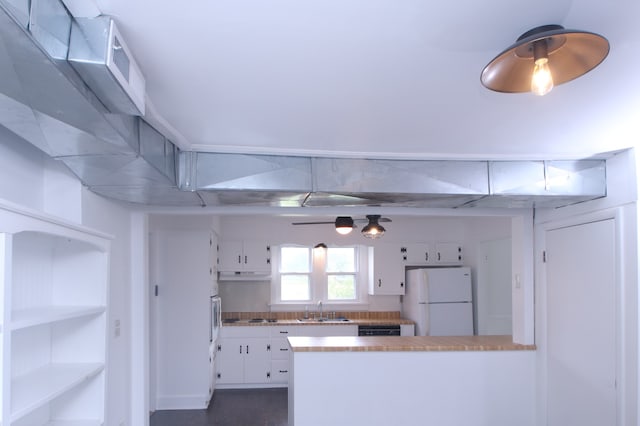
(60, 109)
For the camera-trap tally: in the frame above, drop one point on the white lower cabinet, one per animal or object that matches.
(258, 356)
(244, 357)
(53, 288)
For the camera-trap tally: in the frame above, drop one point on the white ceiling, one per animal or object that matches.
(376, 78)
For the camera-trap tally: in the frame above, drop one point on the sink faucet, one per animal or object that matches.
(320, 308)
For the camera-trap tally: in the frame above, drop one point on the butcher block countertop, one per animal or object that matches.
(405, 344)
(270, 322)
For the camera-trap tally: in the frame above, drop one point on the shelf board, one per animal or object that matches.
(74, 423)
(33, 390)
(24, 318)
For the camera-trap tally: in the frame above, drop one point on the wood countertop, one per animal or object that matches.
(405, 344)
(279, 322)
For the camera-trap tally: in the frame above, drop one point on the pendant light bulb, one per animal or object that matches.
(541, 80)
(344, 225)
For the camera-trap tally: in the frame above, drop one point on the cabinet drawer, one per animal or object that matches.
(283, 331)
(280, 349)
(280, 371)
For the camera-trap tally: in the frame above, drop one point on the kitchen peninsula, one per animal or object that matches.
(448, 381)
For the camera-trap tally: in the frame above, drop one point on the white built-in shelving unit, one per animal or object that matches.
(53, 294)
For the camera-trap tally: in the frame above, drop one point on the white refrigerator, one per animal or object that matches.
(439, 301)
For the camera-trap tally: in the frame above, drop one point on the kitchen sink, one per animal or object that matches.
(324, 320)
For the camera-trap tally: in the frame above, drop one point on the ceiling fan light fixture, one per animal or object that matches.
(544, 57)
(373, 229)
(344, 225)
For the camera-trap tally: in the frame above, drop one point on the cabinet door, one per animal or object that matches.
(418, 254)
(449, 253)
(230, 360)
(230, 257)
(257, 360)
(386, 272)
(256, 257)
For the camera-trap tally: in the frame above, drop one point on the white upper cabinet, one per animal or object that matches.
(419, 254)
(244, 256)
(448, 253)
(386, 270)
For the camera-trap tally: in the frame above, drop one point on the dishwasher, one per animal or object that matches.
(379, 330)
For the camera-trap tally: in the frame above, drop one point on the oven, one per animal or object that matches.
(379, 330)
(215, 317)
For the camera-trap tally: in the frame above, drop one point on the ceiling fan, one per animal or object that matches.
(346, 224)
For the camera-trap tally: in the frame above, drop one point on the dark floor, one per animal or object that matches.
(232, 407)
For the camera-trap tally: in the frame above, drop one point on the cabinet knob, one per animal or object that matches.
(239, 259)
(379, 282)
(401, 284)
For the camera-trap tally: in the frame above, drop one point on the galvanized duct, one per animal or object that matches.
(44, 101)
(235, 179)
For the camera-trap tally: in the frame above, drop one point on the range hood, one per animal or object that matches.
(59, 96)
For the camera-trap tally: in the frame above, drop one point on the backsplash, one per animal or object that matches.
(300, 314)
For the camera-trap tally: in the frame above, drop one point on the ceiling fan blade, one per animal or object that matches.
(312, 223)
(364, 220)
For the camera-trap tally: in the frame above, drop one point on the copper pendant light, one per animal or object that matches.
(560, 55)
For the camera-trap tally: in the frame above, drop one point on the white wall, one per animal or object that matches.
(22, 171)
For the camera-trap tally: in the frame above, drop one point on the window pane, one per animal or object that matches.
(294, 287)
(341, 259)
(294, 259)
(341, 287)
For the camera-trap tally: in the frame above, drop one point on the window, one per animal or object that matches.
(307, 274)
(295, 270)
(341, 273)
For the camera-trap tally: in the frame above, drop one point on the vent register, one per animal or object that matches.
(71, 88)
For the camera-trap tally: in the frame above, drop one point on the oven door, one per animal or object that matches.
(215, 318)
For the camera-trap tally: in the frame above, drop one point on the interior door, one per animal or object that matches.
(581, 324)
